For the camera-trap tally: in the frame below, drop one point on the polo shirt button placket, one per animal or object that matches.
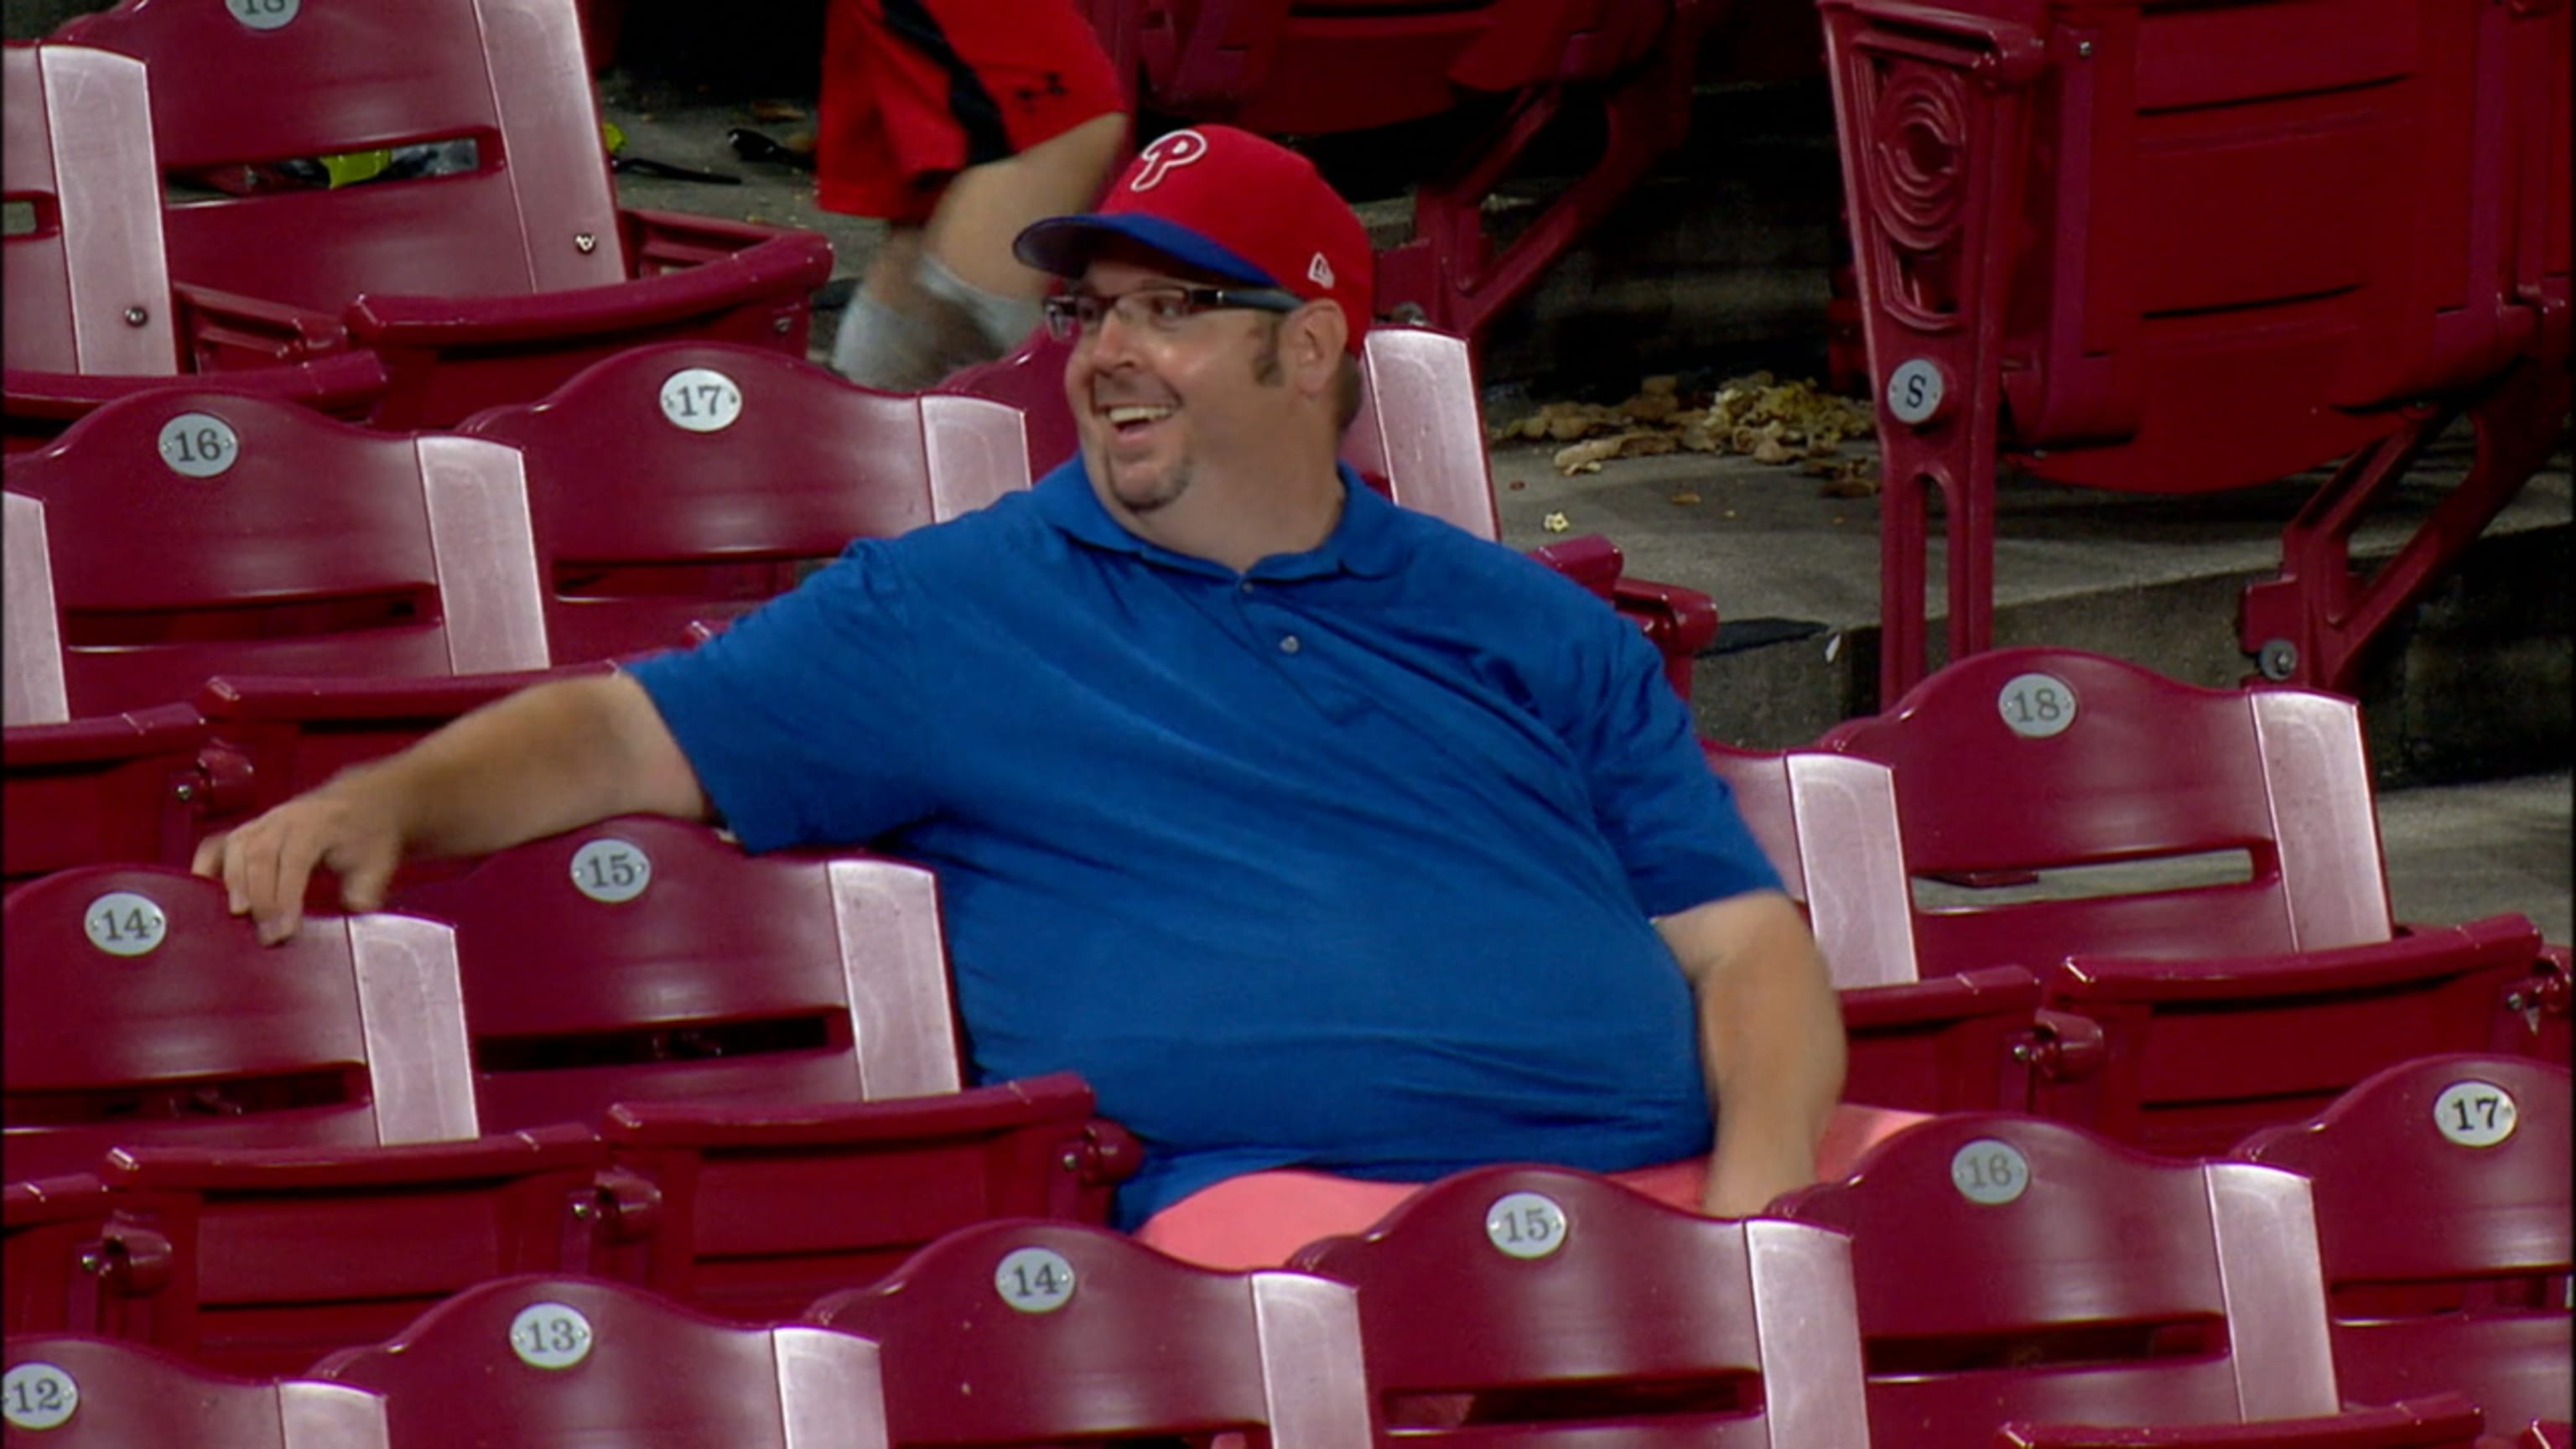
(1288, 644)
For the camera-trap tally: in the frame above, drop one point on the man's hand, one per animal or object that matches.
(266, 864)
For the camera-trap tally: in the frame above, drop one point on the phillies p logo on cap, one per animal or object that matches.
(1167, 154)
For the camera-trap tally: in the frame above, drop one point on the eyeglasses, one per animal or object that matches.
(1156, 309)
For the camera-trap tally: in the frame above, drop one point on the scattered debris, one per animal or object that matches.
(777, 111)
(1685, 498)
(1758, 417)
(1556, 523)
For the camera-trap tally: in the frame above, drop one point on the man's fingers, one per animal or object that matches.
(296, 855)
(209, 859)
(251, 874)
(363, 878)
(219, 859)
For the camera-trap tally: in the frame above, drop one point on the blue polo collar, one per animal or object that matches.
(1363, 543)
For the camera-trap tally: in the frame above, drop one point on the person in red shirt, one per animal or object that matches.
(959, 122)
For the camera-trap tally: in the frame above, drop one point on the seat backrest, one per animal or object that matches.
(1568, 1304)
(2216, 246)
(564, 1360)
(537, 214)
(142, 1011)
(91, 1393)
(2012, 1268)
(685, 482)
(86, 284)
(1420, 427)
(1018, 1332)
(1419, 433)
(679, 968)
(2442, 1201)
(2024, 760)
(31, 662)
(190, 534)
(1838, 812)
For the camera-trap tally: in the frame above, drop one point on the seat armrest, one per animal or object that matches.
(226, 331)
(786, 264)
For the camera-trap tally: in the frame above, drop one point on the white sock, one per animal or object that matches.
(880, 347)
(1003, 322)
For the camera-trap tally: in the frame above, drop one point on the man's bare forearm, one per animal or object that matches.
(544, 760)
(1771, 1044)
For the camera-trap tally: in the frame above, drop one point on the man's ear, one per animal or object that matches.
(1317, 336)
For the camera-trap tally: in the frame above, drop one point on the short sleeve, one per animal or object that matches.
(1672, 821)
(802, 720)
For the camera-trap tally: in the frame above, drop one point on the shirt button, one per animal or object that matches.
(1288, 644)
(1247, 586)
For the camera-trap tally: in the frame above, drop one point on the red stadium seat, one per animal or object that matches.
(1027, 1332)
(2009, 1268)
(2224, 1005)
(91, 1393)
(775, 1038)
(763, 1207)
(280, 1254)
(92, 314)
(1571, 1308)
(2152, 250)
(483, 287)
(292, 1127)
(1947, 1042)
(2442, 1199)
(554, 1361)
(690, 481)
(1419, 439)
(353, 1033)
(190, 534)
(136, 787)
(68, 1254)
(644, 959)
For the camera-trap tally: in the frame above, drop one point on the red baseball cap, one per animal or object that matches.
(1231, 204)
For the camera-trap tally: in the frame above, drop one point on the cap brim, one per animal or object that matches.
(1064, 245)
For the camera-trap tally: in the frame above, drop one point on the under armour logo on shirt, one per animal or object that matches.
(1178, 149)
(1320, 272)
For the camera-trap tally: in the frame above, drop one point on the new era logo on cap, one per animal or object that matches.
(1227, 203)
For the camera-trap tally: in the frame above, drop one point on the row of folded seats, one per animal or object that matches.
(622, 1107)
(633, 1052)
(2392, 1274)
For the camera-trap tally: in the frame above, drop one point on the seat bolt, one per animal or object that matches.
(136, 316)
(585, 242)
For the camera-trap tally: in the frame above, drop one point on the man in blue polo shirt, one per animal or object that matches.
(1315, 833)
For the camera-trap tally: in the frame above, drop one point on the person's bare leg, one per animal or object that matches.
(966, 258)
(986, 206)
(949, 295)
